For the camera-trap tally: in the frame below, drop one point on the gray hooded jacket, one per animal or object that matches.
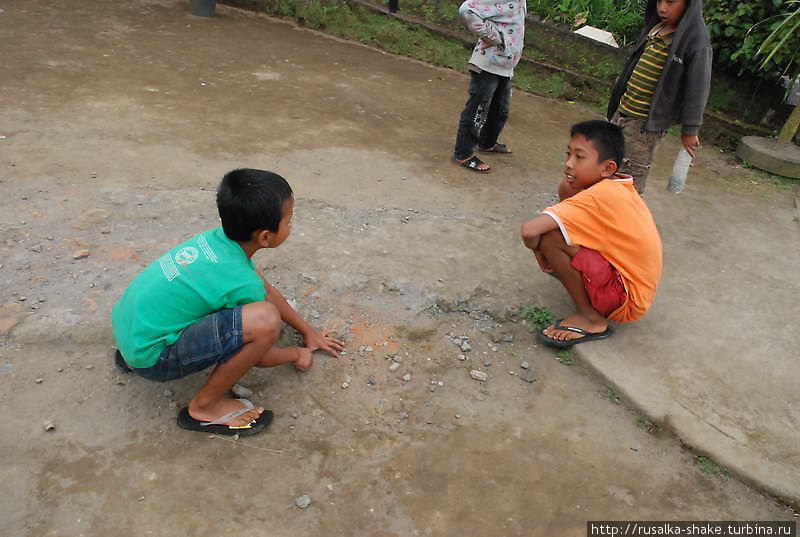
(682, 90)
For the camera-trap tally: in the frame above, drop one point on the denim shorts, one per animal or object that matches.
(208, 342)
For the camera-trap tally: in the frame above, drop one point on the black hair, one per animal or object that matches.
(249, 200)
(606, 137)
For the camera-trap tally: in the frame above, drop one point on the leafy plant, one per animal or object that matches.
(612, 395)
(539, 317)
(775, 43)
(740, 28)
(564, 357)
(708, 466)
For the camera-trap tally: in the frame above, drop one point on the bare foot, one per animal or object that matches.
(304, 359)
(576, 321)
(222, 407)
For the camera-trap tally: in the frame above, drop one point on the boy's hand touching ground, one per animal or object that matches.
(323, 342)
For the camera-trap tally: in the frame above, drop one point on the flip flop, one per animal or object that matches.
(218, 426)
(563, 344)
(121, 364)
(496, 148)
(472, 164)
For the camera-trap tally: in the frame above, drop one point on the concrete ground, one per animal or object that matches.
(117, 121)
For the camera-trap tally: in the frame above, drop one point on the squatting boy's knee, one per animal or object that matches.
(261, 321)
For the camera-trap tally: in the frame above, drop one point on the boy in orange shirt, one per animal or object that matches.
(600, 242)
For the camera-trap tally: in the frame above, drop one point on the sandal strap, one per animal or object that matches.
(222, 420)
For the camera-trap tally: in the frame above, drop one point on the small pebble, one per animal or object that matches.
(39, 380)
(90, 367)
(345, 385)
(394, 367)
(462, 357)
(407, 377)
(525, 365)
(48, 426)
(528, 376)
(303, 501)
(478, 375)
(465, 346)
(81, 254)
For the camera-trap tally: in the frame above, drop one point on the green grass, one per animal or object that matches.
(564, 357)
(613, 396)
(709, 467)
(538, 317)
(647, 425)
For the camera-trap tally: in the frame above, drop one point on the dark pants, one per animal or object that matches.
(485, 113)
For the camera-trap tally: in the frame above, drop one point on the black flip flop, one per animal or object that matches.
(121, 364)
(472, 164)
(186, 421)
(563, 344)
(496, 148)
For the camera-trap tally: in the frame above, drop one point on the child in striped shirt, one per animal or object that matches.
(666, 80)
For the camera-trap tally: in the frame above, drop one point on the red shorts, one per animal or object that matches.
(602, 281)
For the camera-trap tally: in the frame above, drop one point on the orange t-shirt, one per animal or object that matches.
(612, 218)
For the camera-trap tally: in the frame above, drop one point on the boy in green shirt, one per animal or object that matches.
(204, 303)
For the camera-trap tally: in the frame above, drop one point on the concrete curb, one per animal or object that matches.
(698, 435)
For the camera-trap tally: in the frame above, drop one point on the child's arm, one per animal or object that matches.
(313, 339)
(532, 232)
(477, 16)
(698, 86)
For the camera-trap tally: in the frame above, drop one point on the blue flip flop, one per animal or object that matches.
(563, 344)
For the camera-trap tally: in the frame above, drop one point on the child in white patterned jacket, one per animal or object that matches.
(501, 31)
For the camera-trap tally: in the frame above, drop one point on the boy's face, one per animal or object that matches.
(583, 167)
(285, 225)
(671, 11)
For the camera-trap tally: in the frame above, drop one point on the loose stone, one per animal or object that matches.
(527, 376)
(302, 501)
(394, 367)
(48, 426)
(407, 377)
(478, 375)
(525, 365)
(81, 254)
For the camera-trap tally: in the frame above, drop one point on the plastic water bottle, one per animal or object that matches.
(680, 168)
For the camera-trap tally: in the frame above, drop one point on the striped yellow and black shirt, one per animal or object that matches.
(642, 83)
